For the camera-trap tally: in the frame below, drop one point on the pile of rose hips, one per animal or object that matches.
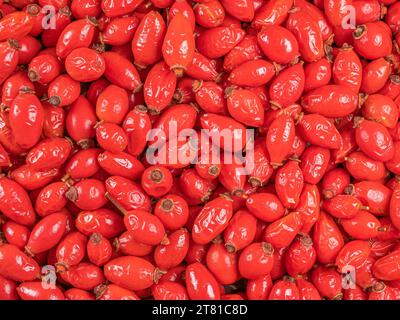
(316, 217)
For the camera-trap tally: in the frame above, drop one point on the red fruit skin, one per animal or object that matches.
(363, 226)
(319, 131)
(240, 231)
(99, 249)
(71, 250)
(212, 220)
(289, 182)
(63, 91)
(127, 193)
(87, 194)
(246, 50)
(279, 139)
(173, 211)
(156, 181)
(314, 163)
(148, 39)
(75, 35)
(178, 46)
(328, 282)
(252, 73)
(104, 221)
(217, 42)
(15, 203)
(113, 292)
(374, 140)
(120, 31)
(362, 167)
(8, 289)
(347, 69)
(373, 40)
(387, 268)
(26, 119)
(201, 284)
(374, 195)
(245, 107)
(85, 276)
(394, 208)
(353, 254)
(222, 264)
(300, 256)
(327, 239)
(265, 206)
(121, 72)
(160, 76)
(120, 163)
(287, 87)
(336, 11)
(331, 101)
(128, 246)
(85, 65)
(144, 227)
(49, 154)
(46, 233)
(15, 25)
(172, 254)
(137, 124)
(317, 74)
(78, 294)
(307, 290)
(334, 182)
(8, 58)
(382, 109)
(15, 233)
(80, 120)
(114, 9)
(272, 13)
(83, 164)
(284, 290)
(16, 265)
(210, 97)
(13, 85)
(375, 75)
(168, 290)
(33, 290)
(307, 33)
(256, 260)
(131, 273)
(259, 288)
(354, 294)
(111, 137)
(281, 233)
(309, 207)
(209, 14)
(216, 123)
(278, 44)
(342, 206)
(112, 104)
(32, 179)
